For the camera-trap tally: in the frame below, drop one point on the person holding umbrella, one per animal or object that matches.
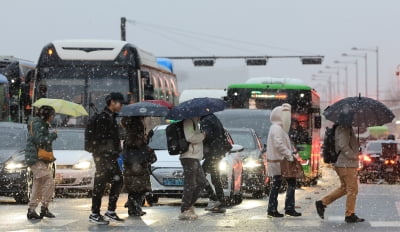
(137, 159)
(347, 113)
(39, 137)
(194, 179)
(347, 146)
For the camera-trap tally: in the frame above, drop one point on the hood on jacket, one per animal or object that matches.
(281, 115)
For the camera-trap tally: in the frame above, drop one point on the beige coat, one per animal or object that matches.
(346, 143)
(195, 137)
(278, 142)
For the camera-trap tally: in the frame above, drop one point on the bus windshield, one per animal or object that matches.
(83, 85)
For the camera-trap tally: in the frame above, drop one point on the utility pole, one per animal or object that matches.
(123, 29)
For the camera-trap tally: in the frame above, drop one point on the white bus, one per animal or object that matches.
(85, 71)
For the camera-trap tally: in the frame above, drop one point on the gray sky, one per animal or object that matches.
(308, 27)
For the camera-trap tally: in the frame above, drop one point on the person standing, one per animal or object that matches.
(279, 148)
(105, 157)
(43, 182)
(214, 152)
(194, 178)
(137, 158)
(347, 146)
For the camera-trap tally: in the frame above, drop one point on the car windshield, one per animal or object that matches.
(69, 140)
(11, 138)
(159, 140)
(259, 123)
(243, 138)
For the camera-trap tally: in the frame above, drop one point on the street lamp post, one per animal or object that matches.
(376, 50)
(329, 83)
(349, 62)
(346, 87)
(337, 92)
(366, 69)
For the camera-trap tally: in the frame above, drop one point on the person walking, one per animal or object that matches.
(105, 155)
(194, 178)
(215, 145)
(39, 136)
(347, 146)
(279, 148)
(137, 159)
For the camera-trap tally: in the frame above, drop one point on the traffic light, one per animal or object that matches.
(311, 60)
(203, 62)
(251, 62)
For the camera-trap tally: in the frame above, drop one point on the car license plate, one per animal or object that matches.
(389, 169)
(173, 181)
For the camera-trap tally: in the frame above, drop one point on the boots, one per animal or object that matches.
(44, 212)
(33, 215)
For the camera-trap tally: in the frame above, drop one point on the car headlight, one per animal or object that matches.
(11, 166)
(223, 166)
(84, 164)
(251, 163)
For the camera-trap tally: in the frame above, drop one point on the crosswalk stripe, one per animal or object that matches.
(384, 223)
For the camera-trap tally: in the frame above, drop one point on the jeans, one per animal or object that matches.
(290, 194)
(211, 166)
(194, 181)
(107, 171)
(348, 186)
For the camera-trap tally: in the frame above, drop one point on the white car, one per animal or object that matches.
(75, 167)
(167, 172)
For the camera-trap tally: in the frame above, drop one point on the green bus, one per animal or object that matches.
(269, 92)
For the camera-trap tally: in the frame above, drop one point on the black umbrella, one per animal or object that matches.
(196, 107)
(143, 109)
(359, 112)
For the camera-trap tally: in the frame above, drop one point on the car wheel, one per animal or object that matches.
(24, 196)
(258, 194)
(151, 199)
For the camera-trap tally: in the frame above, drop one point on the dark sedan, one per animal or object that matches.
(15, 177)
(255, 180)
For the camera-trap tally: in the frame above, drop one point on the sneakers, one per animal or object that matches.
(275, 214)
(113, 216)
(320, 209)
(212, 205)
(188, 215)
(98, 219)
(292, 213)
(32, 214)
(353, 219)
(44, 212)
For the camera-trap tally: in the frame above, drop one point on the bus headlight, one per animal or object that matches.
(84, 164)
(251, 163)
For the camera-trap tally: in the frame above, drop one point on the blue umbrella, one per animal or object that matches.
(196, 107)
(143, 109)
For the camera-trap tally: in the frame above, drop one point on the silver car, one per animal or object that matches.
(167, 172)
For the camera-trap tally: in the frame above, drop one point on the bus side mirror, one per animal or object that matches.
(317, 122)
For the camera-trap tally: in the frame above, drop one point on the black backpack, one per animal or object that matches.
(176, 141)
(328, 149)
(90, 132)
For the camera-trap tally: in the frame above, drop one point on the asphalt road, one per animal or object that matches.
(378, 204)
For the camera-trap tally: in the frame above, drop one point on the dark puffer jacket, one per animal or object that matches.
(38, 136)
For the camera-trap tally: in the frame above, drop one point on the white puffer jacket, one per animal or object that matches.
(278, 142)
(195, 137)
